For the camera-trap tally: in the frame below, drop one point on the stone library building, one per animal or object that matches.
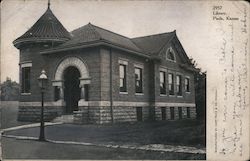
(99, 76)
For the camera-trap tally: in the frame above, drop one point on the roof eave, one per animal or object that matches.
(18, 42)
(189, 68)
(93, 44)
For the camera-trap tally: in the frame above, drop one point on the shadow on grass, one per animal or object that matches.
(181, 132)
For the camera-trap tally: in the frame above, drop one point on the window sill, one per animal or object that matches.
(163, 95)
(25, 94)
(139, 94)
(123, 92)
(188, 92)
(179, 96)
(171, 95)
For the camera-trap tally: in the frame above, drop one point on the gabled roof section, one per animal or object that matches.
(152, 44)
(91, 33)
(48, 27)
(81, 35)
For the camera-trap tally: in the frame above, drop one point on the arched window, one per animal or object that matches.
(170, 55)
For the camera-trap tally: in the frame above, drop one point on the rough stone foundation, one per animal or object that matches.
(33, 114)
(102, 115)
(158, 113)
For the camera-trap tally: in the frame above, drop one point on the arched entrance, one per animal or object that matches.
(70, 81)
(72, 91)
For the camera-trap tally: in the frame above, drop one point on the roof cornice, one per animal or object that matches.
(17, 42)
(93, 44)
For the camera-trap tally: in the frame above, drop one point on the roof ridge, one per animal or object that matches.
(165, 44)
(78, 28)
(172, 32)
(130, 39)
(92, 27)
(111, 31)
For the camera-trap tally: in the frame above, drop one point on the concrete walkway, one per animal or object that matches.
(30, 126)
(151, 147)
(22, 127)
(1, 145)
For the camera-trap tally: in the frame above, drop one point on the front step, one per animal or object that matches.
(64, 119)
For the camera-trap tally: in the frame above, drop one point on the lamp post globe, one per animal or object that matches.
(42, 80)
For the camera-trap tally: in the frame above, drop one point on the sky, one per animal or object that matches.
(190, 19)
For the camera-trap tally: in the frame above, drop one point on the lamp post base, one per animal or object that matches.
(42, 139)
(42, 135)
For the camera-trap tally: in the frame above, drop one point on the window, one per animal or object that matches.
(57, 93)
(138, 80)
(178, 85)
(187, 82)
(123, 79)
(170, 54)
(86, 93)
(171, 83)
(139, 113)
(180, 112)
(25, 80)
(163, 113)
(172, 113)
(188, 112)
(162, 82)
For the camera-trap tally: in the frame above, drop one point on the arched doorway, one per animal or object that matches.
(71, 80)
(72, 91)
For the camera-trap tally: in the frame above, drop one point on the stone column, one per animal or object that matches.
(59, 84)
(82, 83)
(61, 92)
(82, 92)
(60, 103)
(82, 102)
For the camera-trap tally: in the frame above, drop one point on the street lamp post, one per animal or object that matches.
(42, 82)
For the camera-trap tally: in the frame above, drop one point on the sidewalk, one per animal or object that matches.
(1, 145)
(2, 131)
(147, 136)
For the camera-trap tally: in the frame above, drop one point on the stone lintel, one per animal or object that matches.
(58, 83)
(84, 81)
(58, 103)
(82, 102)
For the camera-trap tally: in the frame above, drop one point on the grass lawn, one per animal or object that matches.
(27, 149)
(8, 115)
(183, 132)
(180, 132)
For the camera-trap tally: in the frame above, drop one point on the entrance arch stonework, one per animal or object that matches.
(59, 75)
(71, 61)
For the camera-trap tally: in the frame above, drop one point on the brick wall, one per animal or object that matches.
(105, 76)
(91, 58)
(150, 81)
(97, 61)
(50, 62)
(31, 53)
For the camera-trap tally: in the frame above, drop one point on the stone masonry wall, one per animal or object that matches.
(102, 114)
(33, 113)
(158, 113)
